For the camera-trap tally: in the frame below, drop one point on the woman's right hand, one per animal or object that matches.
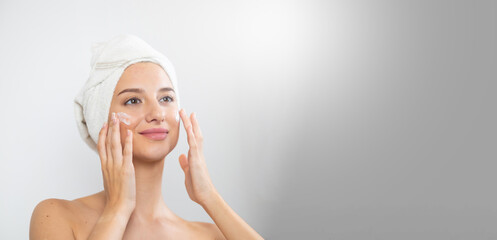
(117, 167)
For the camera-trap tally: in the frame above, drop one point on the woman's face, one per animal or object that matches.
(145, 95)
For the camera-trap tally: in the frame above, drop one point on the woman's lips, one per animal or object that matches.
(155, 136)
(155, 133)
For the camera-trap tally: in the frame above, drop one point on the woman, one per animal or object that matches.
(132, 146)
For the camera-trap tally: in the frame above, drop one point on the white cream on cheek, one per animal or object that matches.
(123, 117)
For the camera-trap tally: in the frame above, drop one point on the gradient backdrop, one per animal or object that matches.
(322, 119)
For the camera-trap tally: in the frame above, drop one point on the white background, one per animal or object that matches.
(322, 119)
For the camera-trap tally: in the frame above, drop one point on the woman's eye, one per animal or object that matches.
(171, 99)
(133, 100)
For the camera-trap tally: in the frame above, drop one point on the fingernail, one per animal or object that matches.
(128, 132)
(114, 118)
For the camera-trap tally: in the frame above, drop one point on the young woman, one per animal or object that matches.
(141, 129)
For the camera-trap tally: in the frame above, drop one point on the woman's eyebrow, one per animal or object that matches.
(139, 90)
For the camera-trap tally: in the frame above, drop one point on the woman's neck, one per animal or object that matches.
(150, 205)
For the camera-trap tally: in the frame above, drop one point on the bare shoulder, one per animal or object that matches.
(66, 219)
(51, 220)
(209, 230)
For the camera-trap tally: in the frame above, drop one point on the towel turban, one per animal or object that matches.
(109, 60)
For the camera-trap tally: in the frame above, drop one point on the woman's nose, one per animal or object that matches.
(156, 113)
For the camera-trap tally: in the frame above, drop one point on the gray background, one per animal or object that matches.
(322, 119)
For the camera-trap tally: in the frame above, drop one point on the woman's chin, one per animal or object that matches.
(151, 151)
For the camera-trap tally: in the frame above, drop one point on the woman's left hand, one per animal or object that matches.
(197, 180)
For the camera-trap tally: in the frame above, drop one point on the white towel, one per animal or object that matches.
(92, 103)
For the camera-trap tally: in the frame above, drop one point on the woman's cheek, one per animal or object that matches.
(174, 120)
(174, 113)
(124, 118)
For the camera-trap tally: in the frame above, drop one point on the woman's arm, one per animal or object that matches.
(49, 219)
(201, 190)
(231, 225)
(119, 182)
(111, 224)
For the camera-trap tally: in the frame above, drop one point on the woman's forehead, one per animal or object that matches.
(145, 75)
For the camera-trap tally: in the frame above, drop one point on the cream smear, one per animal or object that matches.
(123, 117)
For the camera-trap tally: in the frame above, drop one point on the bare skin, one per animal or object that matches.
(131, 205)
(81, 214)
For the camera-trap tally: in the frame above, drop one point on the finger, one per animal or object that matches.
(128, 149)
(102, 152)
(189, 132)
(108, 145)
(187, 124)
(191, 137)
(196, 130)
(117, 150)
(101, 144)
(184, 118)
